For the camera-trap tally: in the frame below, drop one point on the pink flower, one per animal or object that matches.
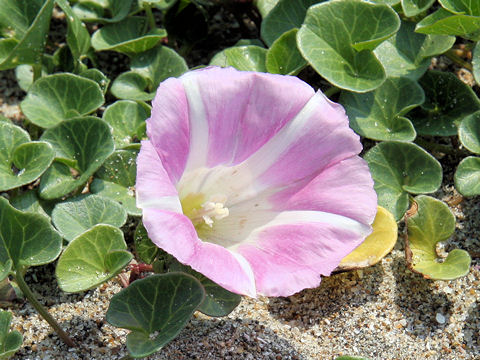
(253, 179)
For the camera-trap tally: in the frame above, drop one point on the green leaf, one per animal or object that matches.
(338, 37)
(149, 69)
(469, 132)
(127, 36)
(155, 309)
(144, 247)
(21, 160)
(415, 7)
(447, 101)
(443, 22)
(10, 341)
(283, 57)
(97, 76)
(244, 58)
(94, 10)
(462, 6)
(29, 202)
(55, 98)
(5, 269)
(432, 223)
(92, 258)
(476, 63)
(218, 301)
(77, 215)
(116, 180)
(27, 239)
(467, 176)
(265, 6)
(81, 146)
(127, 119)
(399, 168)
(407, 53)
(379, 114)
(29, 20)
(285, 16)
(78, 38)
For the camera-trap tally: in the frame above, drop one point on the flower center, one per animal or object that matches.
(202, 212)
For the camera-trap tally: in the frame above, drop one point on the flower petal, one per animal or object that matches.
(233, 113)
(168, 127)
(153, 187)
(175, 234)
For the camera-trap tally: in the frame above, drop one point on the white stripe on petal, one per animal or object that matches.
(168, 203)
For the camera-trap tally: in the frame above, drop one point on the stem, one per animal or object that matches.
(331, 91)
(37, 72)
(452, 55)
(150, 17)
(41, 310)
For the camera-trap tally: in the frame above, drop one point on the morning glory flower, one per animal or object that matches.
(253, 180)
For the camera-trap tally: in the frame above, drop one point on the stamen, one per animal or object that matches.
(210, 210)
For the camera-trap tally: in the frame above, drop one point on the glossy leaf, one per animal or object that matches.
(338, 44)
(55, 98)
(443, 22)
(218, 301)
(469, 132)
(95, 10)
(399, 168)
(265, 6)
(10, 341)
(476, 63)
(379, 114)
(77, 215)
(245, 58)
(462, 6)
(408, 54)
(144, 247)
(116, 180)
(21, 160)
(447, 101)
(415, 7)
(283, 57)
(127, 119)
(92, 258)
(76, 161)
(29, 20)
(376, 246)
(148, 70)
(467, 176)
(97, 76)
(285, 16)
(29, 202)
(127, 37)
(432, 223)
(78, 38)
(155, 309)
(27, 239)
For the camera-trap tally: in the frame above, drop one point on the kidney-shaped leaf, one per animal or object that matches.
(92, 258)
(103, 11)
(127, 36)
(81, 146)
(376, 246)
(408, 54)
(155, 309)
(116, 180)
(415, 7)
(443, 22)
(467, 176)
(75, 216)
(432, 223)
(218, 301)
(127, 119)
(378, 114)
(244, 58)
(78, 38)
(469, 132)
(447, 101)
(21, 161)
(29, 20)
(399, 168)
(285, 16)
(55, 98)
(27, 239)
(338, 37)
(283, 57)
(10, 341)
